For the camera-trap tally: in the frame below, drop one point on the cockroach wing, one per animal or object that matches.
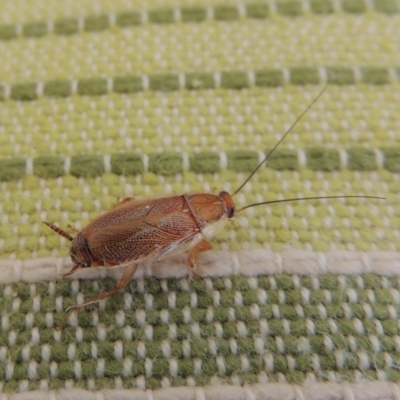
(130, 210)
(155, 236)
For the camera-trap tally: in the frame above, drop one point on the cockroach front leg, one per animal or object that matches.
(123, 282)
(75, 268)
(199, 248)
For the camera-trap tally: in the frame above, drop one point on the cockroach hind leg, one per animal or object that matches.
(199, 248)
(122, 283)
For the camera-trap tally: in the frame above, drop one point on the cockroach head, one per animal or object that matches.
(80, 252)
(230, 205)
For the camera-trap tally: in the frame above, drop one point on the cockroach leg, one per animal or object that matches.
(199, 248)
(123, 282)
(75, 268)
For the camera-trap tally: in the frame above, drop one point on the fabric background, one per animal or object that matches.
(100, 100)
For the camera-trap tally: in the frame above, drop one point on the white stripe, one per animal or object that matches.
(379, 158)
(323, 76)
(272, 7)
(182, 81)
(261, 156)
(107, 163)
(67, 165)
(81, 24)
(112, 19)
(241, 10)
(7, 92)
(393, 75)
(18, 29)
(29, 166)
(110, 85)
(177, 15)
(185, 162)
(286, 76)
(217, 79)
(343, 157)
(369, 5)
(39, 89)
(74, 87)
(302, 158)
(50, 27)
(145, 160)
(145, 17)
(145, 82)
(357, 74)
(223, 160)
(251, 78)
(337, 5)
(216, 263)
(305, 6)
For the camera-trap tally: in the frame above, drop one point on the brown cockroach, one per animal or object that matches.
(138, 230)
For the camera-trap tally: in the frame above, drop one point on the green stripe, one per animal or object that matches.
(287, 335)
(205, 162)
(195, 14)
(66, 26)
(235, 80)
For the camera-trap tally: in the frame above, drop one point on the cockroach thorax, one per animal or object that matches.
(207, 208)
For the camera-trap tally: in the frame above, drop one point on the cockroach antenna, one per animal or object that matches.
(270, 153)
(280, 141)
(59, 231)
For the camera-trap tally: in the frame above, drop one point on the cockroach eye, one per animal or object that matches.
(73, 258)
(230, 205)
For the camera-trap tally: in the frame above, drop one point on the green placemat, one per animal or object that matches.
(103, 100)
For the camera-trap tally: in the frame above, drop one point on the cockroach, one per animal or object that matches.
(141, 230)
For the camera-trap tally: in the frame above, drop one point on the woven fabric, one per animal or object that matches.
(102, 100)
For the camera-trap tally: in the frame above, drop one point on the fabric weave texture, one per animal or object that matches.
(104, 100)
